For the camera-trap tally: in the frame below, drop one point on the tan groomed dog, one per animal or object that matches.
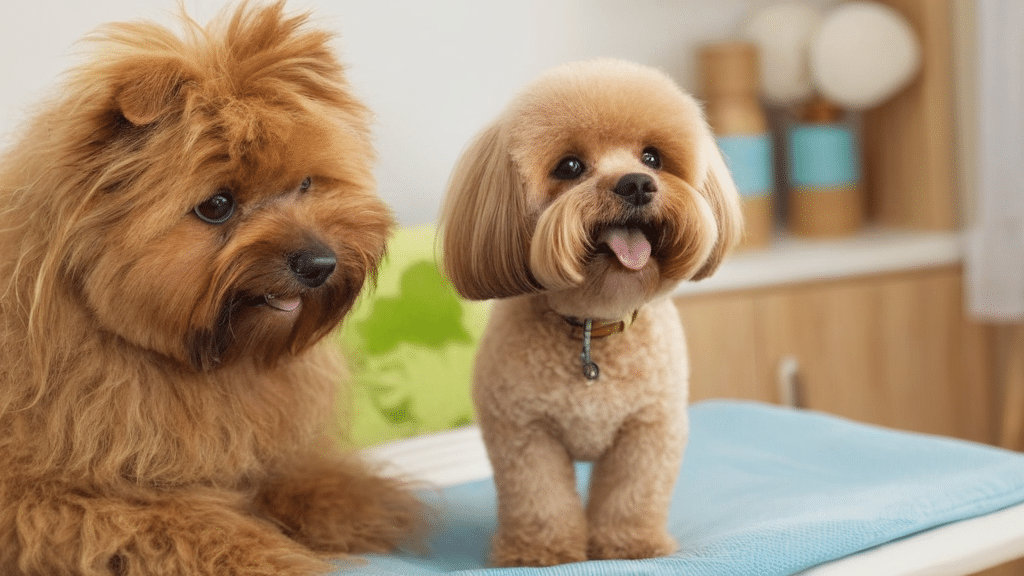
(597, 191)
(179, 230)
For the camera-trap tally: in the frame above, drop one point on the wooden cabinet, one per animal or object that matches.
(893, 349)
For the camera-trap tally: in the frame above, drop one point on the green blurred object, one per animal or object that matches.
(409, 344)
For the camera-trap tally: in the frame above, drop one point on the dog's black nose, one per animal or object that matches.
(312, 267)
(636, 189)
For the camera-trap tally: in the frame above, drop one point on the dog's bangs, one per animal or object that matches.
(689, 233)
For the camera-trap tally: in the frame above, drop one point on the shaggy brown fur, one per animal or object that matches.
(163, 399)
(589, 158)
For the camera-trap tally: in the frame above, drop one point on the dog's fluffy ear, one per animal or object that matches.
(144, 65)
(721, 194)
(148, 87)
(486, 227)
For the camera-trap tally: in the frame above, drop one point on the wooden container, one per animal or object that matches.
(730, 76)
(825, 197)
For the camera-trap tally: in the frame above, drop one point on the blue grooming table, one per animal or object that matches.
(763, 491)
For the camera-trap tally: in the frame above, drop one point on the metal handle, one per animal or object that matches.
(787, 378)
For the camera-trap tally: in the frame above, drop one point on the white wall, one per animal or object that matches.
(435, 72)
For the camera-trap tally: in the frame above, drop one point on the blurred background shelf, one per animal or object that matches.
(871, 325)
(789, 259)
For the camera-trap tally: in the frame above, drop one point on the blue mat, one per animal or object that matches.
(762, 491)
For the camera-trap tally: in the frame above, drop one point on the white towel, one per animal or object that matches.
(995, 255)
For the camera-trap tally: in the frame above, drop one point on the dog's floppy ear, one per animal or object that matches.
(721, 194)
(486, 228)
(146, 88)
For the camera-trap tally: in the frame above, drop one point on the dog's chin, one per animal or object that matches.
(266, 327)
(611, 290)
(247, 327)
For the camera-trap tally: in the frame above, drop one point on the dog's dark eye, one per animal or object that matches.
(651, 157)
(569, 168)
(217, 208)
(304, 187)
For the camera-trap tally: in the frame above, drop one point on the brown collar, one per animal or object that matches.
(599, 329)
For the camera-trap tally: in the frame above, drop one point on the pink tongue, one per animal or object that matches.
(283, 304)
(631, 247)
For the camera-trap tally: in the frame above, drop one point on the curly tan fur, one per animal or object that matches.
(517, 230)
(157, 415)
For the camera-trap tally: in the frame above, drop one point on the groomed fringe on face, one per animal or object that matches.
(561, 241)
(691, 236)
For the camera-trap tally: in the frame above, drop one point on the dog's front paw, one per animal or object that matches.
(381, 518)
(624, 544)
(521, 550)
(341, 507)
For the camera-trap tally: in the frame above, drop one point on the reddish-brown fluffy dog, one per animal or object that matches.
(179, 230)
(597, 191)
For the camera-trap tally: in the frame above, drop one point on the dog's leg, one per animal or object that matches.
(540, 516)
(194, 532)
(631, 488)
(338, 505)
